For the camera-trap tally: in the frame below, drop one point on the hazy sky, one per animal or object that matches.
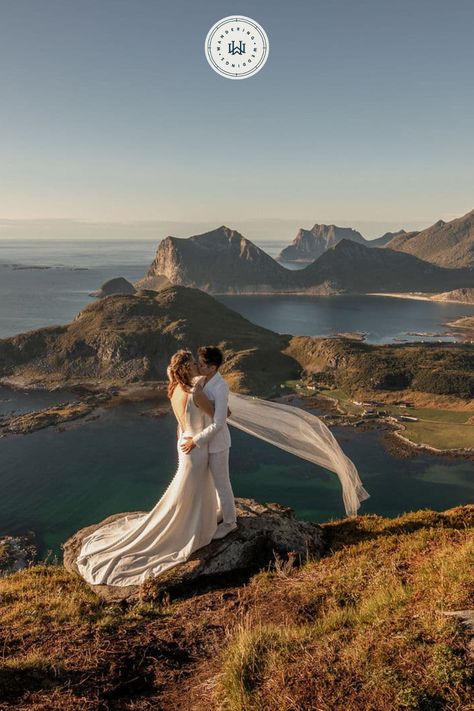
(362, 115)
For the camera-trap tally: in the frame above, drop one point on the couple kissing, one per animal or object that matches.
(199, 379)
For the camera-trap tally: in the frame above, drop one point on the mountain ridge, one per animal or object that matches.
(222, 261)
(447, 244)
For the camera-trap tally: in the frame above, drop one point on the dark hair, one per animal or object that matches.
(178, 371)
(211, 355)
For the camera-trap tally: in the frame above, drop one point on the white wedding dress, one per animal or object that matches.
(136, 547)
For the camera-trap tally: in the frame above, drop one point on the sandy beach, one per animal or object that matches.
(408, 295)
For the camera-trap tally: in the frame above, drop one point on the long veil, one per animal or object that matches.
(301, 433)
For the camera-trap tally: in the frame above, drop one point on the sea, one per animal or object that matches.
(54, 482)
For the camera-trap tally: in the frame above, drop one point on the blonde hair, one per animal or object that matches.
(178, 371)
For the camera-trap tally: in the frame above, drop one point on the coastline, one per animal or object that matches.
(407, 295)
(89, 399)
(394, 430)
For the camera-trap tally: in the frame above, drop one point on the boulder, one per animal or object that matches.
(117, 285)
(17, 552)
(266, 535)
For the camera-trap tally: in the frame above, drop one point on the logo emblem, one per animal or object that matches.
(236, 47)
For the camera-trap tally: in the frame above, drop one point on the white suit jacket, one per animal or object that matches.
(216, 432)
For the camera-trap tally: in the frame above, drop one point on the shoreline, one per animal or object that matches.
(408, 295)
(395, 430)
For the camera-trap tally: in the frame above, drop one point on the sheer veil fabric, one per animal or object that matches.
(301, 433)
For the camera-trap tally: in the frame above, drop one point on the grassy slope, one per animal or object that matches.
(359, 629)
(126, 338)
(358, 368)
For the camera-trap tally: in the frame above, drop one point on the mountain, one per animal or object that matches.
(351, 267)
(223, 261)
(384, 239)
(219, 261)
(448, 244)
(128, 338)
(308, 245)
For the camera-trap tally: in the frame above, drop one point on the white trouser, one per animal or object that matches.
(219, 467)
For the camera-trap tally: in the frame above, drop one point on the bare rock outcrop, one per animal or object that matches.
(266, 534)
(118, 285)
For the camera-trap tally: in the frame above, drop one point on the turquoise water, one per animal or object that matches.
(57, 482)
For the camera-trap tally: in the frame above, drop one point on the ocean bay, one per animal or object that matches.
(57, 482)
(32, 298)
(54, 482)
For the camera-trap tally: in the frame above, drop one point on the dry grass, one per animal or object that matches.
(361, 629)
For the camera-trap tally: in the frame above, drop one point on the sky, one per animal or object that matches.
(113, 123)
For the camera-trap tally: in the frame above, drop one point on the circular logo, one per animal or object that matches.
(236, 47)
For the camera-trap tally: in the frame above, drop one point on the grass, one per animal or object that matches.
(344, 401)
(364, 627)
(48, 596)
(360, 629)
(445, 416)
(439, 428)
(440, 435)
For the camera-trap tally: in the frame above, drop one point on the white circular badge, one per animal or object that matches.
(236, 47)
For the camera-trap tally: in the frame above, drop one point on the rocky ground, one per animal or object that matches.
(263, 532)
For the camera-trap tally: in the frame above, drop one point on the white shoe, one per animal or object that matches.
(223, 529)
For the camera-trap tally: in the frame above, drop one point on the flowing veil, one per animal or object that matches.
(301, 433)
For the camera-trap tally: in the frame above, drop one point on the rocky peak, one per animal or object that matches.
(215, 261)
(117, 285)
(308, 245)
(349, 247)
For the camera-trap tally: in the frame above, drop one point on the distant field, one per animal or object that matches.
(442, 429)
(435, 415)
(440, 434)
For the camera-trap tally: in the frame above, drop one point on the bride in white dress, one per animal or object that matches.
(133, 548)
